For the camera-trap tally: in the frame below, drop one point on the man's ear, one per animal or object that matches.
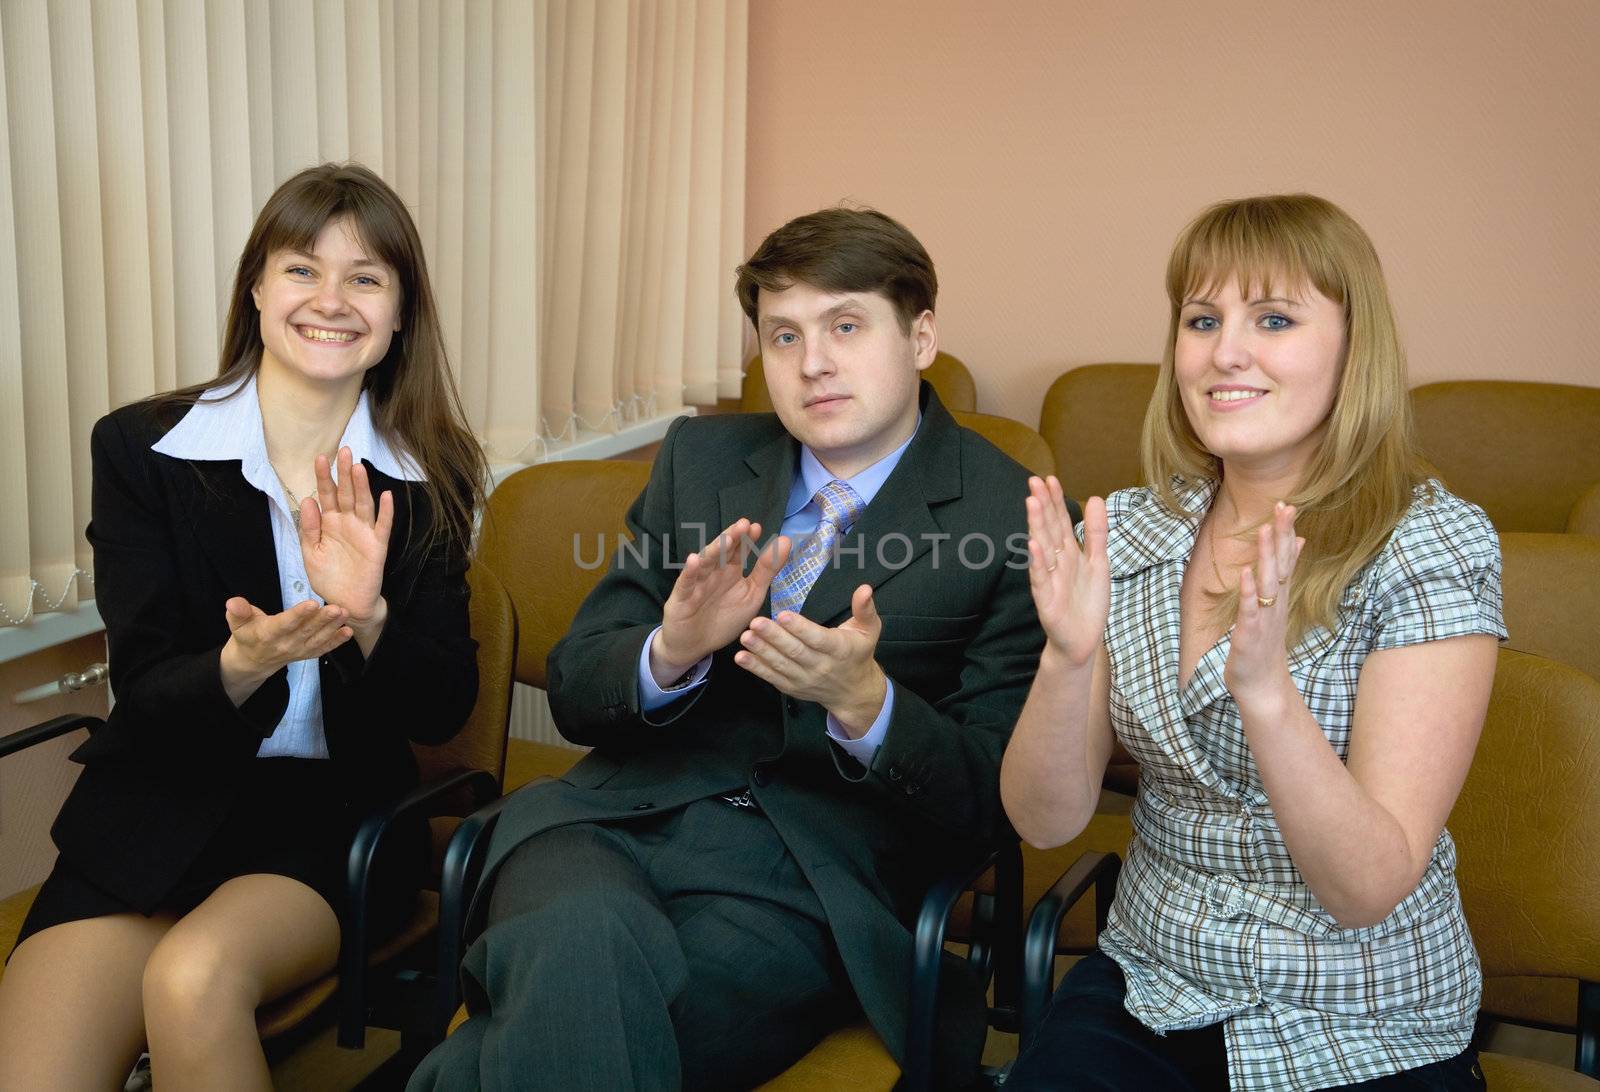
(925, 339)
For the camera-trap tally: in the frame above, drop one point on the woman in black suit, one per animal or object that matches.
(279, 560)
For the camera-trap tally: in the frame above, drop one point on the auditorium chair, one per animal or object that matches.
(1551, 586)
(1524, 827)
(1528, 453)
(949, 377)
(1014, 438)
(1092, 417)
(539, 523)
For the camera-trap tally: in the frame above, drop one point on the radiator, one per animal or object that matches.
(530, 716)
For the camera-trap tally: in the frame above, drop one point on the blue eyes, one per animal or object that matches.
(1270, 321)
(362, 280)
(789, 337)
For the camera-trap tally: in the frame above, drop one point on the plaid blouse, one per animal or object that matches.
(1212, 921)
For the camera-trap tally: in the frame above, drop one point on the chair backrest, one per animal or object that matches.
(1525, 821)
(1013, 437)
(948, 375)
(1584, 519)
(1092, 417)
(549, 533)
(1551, 589)
(481, 743)
(1526, 452)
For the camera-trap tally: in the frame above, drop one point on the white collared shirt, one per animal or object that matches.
(226, 424)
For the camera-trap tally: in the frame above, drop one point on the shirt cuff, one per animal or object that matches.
(651, 696)
(865, 749)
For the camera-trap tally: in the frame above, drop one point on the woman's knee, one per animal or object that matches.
(194, 979)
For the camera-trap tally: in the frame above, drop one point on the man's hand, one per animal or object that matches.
(712, 600)
(833, 667)
(260, 643)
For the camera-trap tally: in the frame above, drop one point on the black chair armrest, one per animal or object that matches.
(463, 866)
(1001, 915)
(21, 740)
(481, 785)
(1097, 870)
(1586, 1058)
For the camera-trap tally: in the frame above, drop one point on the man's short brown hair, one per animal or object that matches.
(843, 250)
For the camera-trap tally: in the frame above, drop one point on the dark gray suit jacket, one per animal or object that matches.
(960, 642)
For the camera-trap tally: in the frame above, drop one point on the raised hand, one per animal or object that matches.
(260, 643)
(1071, 585)
(344, 538)
(833, 667)
(1258, 655)
(713, 600)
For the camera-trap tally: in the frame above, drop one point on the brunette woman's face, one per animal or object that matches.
(327, 314)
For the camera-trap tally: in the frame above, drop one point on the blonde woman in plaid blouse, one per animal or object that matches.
(1294, 632)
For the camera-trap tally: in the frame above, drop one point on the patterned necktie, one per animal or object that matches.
(840, 506)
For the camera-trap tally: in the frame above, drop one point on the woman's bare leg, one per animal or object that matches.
(70, 1010)
(254, 939)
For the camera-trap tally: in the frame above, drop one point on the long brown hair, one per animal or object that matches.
(1363, 477)
(412, 394)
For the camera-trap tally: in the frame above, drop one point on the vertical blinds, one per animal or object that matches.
(576, 170)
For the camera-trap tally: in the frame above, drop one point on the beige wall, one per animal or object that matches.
(1048, 152)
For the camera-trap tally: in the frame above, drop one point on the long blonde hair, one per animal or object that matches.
(1363, 477)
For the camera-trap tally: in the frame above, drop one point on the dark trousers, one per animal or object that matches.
(1089, 1041)
(679, 951)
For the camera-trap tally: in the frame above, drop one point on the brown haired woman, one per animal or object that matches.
(1293, 630)
(279, 560)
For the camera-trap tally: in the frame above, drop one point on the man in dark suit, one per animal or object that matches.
(790, 743)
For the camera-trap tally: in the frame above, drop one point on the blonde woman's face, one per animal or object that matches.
(1258, 375)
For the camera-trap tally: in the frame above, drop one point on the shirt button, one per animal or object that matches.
(300, 586)
(1255, 997)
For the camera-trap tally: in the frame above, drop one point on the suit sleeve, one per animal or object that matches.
(422, 676)
(940, 760)
(167, 679)
(593, 670)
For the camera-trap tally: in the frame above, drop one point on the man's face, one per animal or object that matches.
(842, 373)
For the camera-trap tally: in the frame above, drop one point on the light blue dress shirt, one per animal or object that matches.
(801, 518)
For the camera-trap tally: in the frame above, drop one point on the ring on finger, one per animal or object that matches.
(1266, 600)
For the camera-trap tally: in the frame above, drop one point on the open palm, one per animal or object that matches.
(344, 537)
(1071, 585)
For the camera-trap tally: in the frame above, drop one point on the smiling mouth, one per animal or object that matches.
(1235, 395)
(313, 333)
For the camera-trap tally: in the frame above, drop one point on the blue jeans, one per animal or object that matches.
(1089, 1041)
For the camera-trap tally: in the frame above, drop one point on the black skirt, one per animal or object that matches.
(288, 819)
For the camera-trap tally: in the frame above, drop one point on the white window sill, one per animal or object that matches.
(46, 630)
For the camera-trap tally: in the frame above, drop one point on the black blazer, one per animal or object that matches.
(961, 643)
(173, 539)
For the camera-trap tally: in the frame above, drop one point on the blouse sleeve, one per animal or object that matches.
(1439, 576)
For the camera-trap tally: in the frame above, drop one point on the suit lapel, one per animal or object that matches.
(230, 520)
(763, 495)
